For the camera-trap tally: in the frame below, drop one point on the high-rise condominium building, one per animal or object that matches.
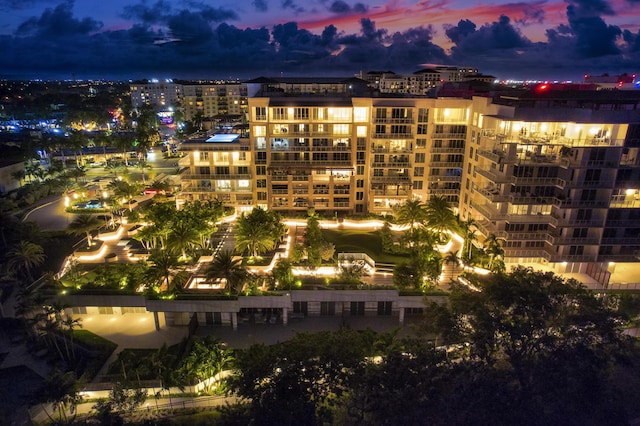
(554, 174)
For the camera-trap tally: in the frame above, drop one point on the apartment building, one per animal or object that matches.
(554, 174)
(206, 99)
(159, 93)
(212, 100)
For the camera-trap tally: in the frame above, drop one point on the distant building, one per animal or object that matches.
(606, 81)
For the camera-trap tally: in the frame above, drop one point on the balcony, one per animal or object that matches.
(392, 136)
(390, 192)
(388, 150)
(447, 150)
(404, 120)
(436, 178)
(449, 135)
(539, 181)
(213, 176)
(495, 155)
(492, 194)
(396, 178)
(494, 177)
(627, 241)
(574, 241)
(569, 203)
(446, 164)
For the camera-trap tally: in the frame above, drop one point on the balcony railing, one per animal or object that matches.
(449, 135)
(494, 177)
(392, 136)
(406, 120)
(214, 176)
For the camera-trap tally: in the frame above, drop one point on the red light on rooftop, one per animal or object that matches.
(543, 87)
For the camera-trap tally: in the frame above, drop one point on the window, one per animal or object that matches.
(262, 196)
(360, 115)
(399, 113)
(417, 185)
(327, 308)
(203, 156)
(279, 113)
(421, 143)
(422, 129)
(378, 172)
(222, 170)
(359, 196)
(381, 129)
(360, 183)
(301, 114)
(300, 308)
(384, 308)
(260, 130)
(420, 157)
(381, 113)
(361, 131)
(261, 183)
(341, 129)
(378, 158)
(360, 170)
(243, 170)
(243, 183)
(576, 250)
(261, 170)
(357, 308)
(260, 113)
(418, 171)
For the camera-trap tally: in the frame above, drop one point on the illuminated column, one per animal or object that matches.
(234, 320)
(401, 315)
(285, 315)
(156, 320)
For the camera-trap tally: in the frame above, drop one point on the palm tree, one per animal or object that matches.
(162, 264)
(439, 216)
(84, 224)
(182, 236)
(452, 257)
(70, 324)
(411, 213)
(18, 175)
(123, 189)
(493, 249)
(143, 165)
(253, 236)
(24, 257)
(225, 267)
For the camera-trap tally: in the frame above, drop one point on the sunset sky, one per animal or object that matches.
(247, 38)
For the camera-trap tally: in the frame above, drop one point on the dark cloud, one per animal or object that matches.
(161, 12)
(501, 35)
(61, 45)
(260, 5)
(593, 36)
(289, 4)
(58, 22)
(463, 29)
(342, 8)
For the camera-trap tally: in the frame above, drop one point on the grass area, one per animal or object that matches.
(90, 339)
(357, 241)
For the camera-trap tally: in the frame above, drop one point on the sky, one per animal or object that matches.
(219, 39)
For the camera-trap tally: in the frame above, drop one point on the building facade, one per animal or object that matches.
(555, 175)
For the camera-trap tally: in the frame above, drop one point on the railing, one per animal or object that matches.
(449, 135)
(539, 181)
(215, 176)
(454, 164)
(569, 240)
(406, 120)
(392, 136)
(494, 177)
(385, 150)
(494, 156)
(447, 150)
(622, 240)
(436, 178)
(390, 178)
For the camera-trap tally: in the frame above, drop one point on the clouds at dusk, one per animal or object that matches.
(207, 39)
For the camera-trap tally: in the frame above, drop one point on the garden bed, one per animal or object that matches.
(358, 241)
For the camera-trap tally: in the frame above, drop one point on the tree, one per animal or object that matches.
(439, 215)
(182, 236)
(208, 358)
(163, 263)
(259, 231)
(228, 269)
(548, 339)
(496, 253)
(411, 213)
(453, 259)
(282, 274)
(61, 390)
(24, 257)
(84, 224)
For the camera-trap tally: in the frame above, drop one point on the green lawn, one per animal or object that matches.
(357, 241)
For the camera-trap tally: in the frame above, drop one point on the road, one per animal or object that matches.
(50, 216)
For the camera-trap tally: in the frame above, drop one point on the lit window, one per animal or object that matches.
(360, 115)
(361, 131)
(243, 184)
